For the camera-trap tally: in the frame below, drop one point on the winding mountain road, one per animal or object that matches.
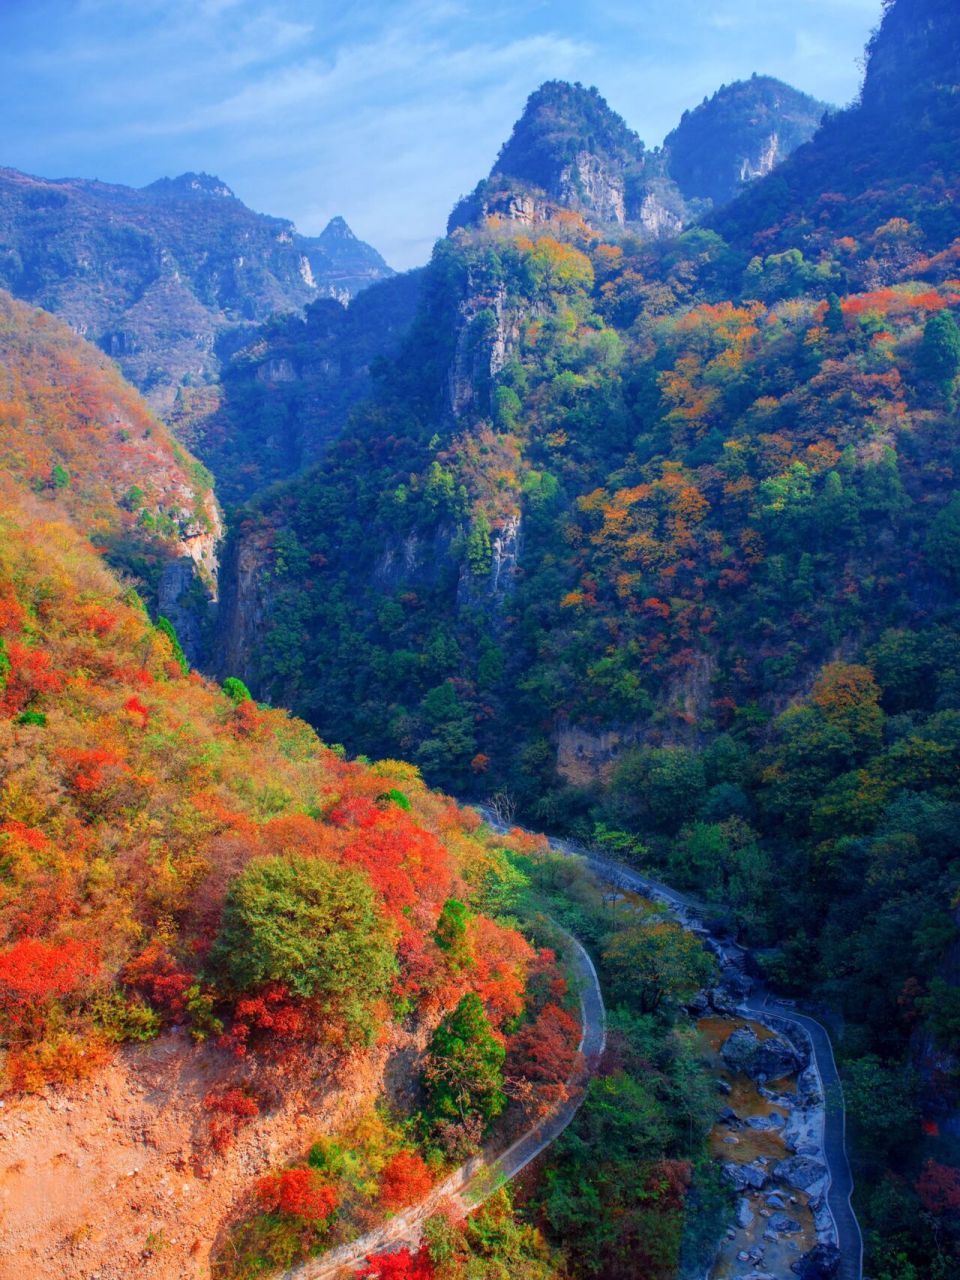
(758, 1003)
(474, 1181)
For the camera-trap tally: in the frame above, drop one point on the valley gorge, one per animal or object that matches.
(632, 516)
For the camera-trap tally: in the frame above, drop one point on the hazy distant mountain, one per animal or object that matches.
(170, 277)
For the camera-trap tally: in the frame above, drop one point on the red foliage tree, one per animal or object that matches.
(545, 1051)
(939, 1188)
(405, 1180)
(298, 1192)
(402, 1265)
(233, 1108)
(33, 972)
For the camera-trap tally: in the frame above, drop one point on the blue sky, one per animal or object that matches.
(384, 112)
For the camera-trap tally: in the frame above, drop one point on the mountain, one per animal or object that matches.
(81, 439)
(281, 399)
(169, 278)
(658, 540)
(570, 150)
(738, 135)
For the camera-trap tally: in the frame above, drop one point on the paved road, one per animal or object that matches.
(689, 912)
(473, 1182)
(840, 1188)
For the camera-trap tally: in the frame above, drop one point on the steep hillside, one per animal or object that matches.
(283, 931)
(658, 540)
(888, 163)
(73, 432)
(168, 277)
(280, 400)
(738, 135)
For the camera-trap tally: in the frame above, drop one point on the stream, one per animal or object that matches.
(778, 1137)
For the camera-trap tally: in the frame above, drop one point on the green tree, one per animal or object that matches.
(312, 926)
(881, 1107)
(652, 962)
(236, 690)
(167, 629)
(943, 540)
(659, 788)
(463, 1075)
(939, 356)
(479, 552)
(451, 931)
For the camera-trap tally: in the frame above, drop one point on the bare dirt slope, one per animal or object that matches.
(116, 1176)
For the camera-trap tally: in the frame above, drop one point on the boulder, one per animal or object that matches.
(765, 1124)
(821, 1263)
(744, 1213)
(746, 1176)
(801, 1172)
(780, 1222)
(762, 1059)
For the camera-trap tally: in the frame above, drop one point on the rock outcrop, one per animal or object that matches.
(768, 1059)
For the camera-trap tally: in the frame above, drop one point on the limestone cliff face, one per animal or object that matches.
(244, 605)
(491, 590)
(593, 186)
(489, 329)
(189, 586)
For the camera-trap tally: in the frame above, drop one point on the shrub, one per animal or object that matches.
(298, 1192)
(405, 1180)
(312, 926)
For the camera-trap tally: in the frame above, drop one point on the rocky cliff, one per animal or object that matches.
(569, 150)
(169, 278)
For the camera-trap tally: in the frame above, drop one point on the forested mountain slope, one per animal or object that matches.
(739, 134)
(168, 278)
(282, 398)
(74, 433)
(660, 538)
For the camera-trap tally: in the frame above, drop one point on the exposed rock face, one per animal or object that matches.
(165, 277)
(491, 590)
(590, 184)
(244, 607)
(762, 1059)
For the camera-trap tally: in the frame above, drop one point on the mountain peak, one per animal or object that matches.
(191, 185)
(739, 134)
(337, 229)
(561, 122)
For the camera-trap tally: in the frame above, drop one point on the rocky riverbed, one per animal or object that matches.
(768, 1137)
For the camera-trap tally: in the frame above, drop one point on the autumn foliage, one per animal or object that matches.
(301, 1193)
